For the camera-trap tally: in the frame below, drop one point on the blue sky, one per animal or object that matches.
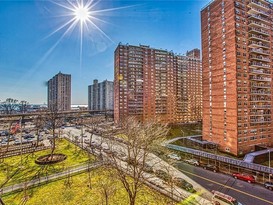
(30, 56)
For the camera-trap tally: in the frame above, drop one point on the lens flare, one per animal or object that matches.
(81, 16)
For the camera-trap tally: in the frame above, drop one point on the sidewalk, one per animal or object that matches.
(46, 179)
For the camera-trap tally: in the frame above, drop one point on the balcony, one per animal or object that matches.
(261, 107)
(257, 78)
(260, 58)
(259, 37)
(259, 51)
(258, 24)
(259, 5)
(259, 113)
(259, 93)
(260, 99)
(258, 30)
(255, 64)
(260, 85)
(254, 71)
(260, 121)
(255, 44)
(253, 10)
(259, 18)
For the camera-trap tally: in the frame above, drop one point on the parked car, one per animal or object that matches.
(162, 174)
(192, 162)
(4, 133)
(220, 198)
(28, 136)
(148, 168)
(245, 177)
(211, 167)
(182, 183)
(174, 156)
(269, 185)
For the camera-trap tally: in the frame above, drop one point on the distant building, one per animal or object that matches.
(101, 95)
(59, 92)
(237, 74)
(157, 84)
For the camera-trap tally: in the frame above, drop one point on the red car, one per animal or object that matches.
(245, 177)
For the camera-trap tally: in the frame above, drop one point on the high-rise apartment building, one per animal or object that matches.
(101, 95)
(157, 84)
(59, 92)
(237, 74)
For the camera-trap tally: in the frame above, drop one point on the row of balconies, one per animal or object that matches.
(260, 120)
(259, 24)
(260, 78)
(260, 106)
(259, 37)
(260, 18)
(260, 93)
(267, 111)
(256, 10)
(260, 113)
(259, 50)
(259, 64)
(260, 85)
(258, 4)
(258, 30)
(261, 98)
(260, 58)
(258, 44)
(260, 71)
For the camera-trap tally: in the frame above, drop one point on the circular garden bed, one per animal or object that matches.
(48, 159)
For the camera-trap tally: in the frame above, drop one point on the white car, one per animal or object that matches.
(174, 156)
(192, 162)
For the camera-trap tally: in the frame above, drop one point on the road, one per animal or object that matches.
(247, 194)
(153, 159)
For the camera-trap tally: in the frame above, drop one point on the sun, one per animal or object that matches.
(82, 13)
(82, 18)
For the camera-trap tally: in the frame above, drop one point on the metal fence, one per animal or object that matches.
(240, 163)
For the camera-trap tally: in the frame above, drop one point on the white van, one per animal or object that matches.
(219, 198)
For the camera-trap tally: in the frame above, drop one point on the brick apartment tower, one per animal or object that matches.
(101, 95)
(237, 74)
(157, 84)
(59, 92)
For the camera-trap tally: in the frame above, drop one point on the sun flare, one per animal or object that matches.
(83, 18)
(82, 14)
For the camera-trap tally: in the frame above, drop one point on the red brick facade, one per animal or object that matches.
(237, 76)
(157, 84)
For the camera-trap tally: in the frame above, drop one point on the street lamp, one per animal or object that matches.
(269, 164)
(183, 136)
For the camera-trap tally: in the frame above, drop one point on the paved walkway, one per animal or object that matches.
(46, 179)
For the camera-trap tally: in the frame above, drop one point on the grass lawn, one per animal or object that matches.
(29, 169)
(187, 130)
(78, 192)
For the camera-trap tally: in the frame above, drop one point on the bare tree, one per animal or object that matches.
(93, 124)
(106, 186)
(139, 139)
(23, 105)
(9, 105)
(39, 124)
(53, 120)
